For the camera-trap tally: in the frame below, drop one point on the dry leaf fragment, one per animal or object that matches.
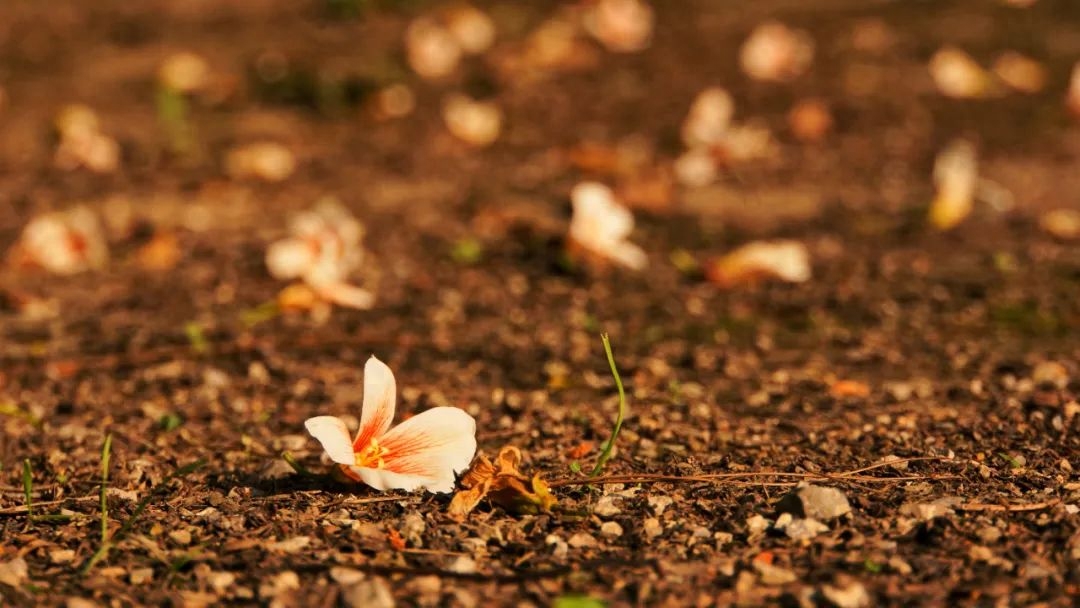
(397, 542)
(849, 388)
(956, 177)
(810, 120)
(268, 161)
(82, 144)
(160, 253)
(784, 260)
(504, 485)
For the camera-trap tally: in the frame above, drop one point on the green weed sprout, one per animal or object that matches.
(609, 445)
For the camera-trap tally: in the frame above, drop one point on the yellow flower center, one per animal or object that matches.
(372, 456)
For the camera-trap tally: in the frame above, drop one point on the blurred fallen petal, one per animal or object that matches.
(955, 179)
(471, 28)
(268, 161)
(775, 52)
(184, 72)
(81, 142)
(394, 101)
(431, 50)
(696, 168)
(810, 120)
(1020, 72)
(709, 118)
(762, 260)
(1061, 223)
(600, 226)
(959, 76)
(347, 295)
(622, 26)
(64, 242)
(475, 122)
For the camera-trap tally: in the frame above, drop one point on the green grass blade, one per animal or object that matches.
(609, 445)
(106, 455)
(28, 489)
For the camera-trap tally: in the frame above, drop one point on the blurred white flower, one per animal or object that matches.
(959, 76)
(65, 242)
(475, 122)
(323, 249)
(622, 26)
(775, 52)
(955, 178)
(784, 260)
(600, 225)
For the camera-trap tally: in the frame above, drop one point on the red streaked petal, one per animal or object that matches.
(334, 437)
(380, 393)
(433, 446)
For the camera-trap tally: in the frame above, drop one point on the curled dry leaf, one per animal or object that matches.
(1020, 72)
(268, 161)
(622, 26)
(784, 260)
(184, 72)
(959, 76)
(775, 52)
(504, 485)
(955, 178)
(65, 243)
(475, 122)
(160, 253)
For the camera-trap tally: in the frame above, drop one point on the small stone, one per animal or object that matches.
(62, 556)
(581, 540)
(559, 547)
(463, 565)
(78, 602)
(846, 593)
(606, 507)
(900, 565)
(180, 537)
(413, 529)
(990, 534)
(280, 583)
(804, 529)
(925, 511)
(371, 593)
(291, 545)
(346, 576)
(815, 502)
(659, 504)
(774, 575)
(139, 576)
(652, 528)
(1050, 373)
(219, 581)
(14, 573)
(611, 529)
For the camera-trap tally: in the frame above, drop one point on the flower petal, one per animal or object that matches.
(629, 255)
(380, 393)
(347, 295)
(289, 258)
(334, 437)
(426, 451)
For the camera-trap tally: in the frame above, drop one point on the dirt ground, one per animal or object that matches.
(954, 349)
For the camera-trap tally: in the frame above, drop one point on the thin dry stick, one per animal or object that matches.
(736, 478)
(982, 506)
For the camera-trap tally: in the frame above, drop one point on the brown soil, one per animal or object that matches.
(947, 330)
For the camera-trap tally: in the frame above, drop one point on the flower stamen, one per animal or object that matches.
(372, 456)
